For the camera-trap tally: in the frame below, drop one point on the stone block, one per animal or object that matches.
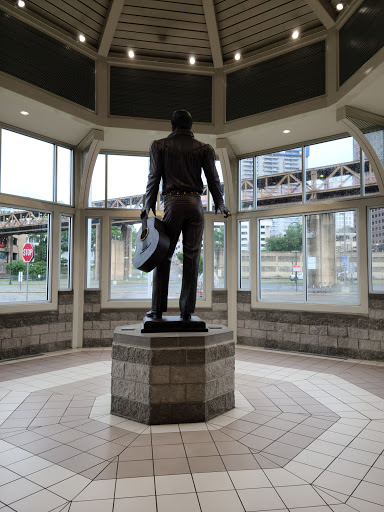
(244, 332)
(68, 326)
(267, 326)
(291, 336)
(320, 330)
(274, 335)
(96, 308)
(241, 323)
(282, 326)
(195, 393)
(376, 314)
(195, 356)
(219, 307)
(59, 327)
(61, 309)
(188, 374)
(337, 331)
(39, 329)
(137, 372)
(257, 334)
(251, 324)
(141, 392)
(10, 343)
(21, 331)
(376, 335)
(107, 333)
(311, 339)
(159, 375)
(215, 370)
(101, 324)
(360, 334)
(169, 357)
(328, 341)
(30, 340)
(370, 345)
(94, 334)
(48, 338)
(350, 343)
(64, 336)
(118, 369)
(69, 308)
(300, 328)
(122, 387)
(167, 393)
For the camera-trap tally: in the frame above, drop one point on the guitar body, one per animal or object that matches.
(152, 245)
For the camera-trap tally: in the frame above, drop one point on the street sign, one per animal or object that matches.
(296, 268)
(27, 252)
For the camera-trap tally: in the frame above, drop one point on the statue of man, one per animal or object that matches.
(178, 160)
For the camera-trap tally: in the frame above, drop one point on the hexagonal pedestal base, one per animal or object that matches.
(172, 377)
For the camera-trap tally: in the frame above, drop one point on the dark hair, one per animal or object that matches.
(181, 119)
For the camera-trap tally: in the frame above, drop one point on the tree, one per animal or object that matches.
(17, 266)
(201, 262)
(292, 240)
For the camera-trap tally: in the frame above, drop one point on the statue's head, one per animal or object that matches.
(181, 119)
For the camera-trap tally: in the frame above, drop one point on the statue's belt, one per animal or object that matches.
(179, 193)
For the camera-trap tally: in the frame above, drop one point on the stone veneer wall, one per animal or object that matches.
(23, 334)
(357, 336)
(100, 324)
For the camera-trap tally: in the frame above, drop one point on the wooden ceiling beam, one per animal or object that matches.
(111, 21)
(324, 11)
(213, 33)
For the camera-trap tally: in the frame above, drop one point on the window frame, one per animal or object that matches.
(70, 254)
(225, 255)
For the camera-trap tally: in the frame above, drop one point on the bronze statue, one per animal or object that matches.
(178, 160)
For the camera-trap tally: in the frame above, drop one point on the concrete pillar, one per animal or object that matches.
(321, 232)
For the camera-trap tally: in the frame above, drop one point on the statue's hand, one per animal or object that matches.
(223, 209)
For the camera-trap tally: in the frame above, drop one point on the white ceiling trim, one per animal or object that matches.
(213, 33)
(324, 11)
(112, 19)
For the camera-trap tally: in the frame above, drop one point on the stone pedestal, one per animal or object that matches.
(172, 377)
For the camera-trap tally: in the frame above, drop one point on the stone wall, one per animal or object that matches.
(23, 334)
(99, 324)
(357, 336)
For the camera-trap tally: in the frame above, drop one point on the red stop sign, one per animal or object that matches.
(27, 252)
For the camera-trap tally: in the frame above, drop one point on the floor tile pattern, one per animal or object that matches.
(307, 434)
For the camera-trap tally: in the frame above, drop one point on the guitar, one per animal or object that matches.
(152, 244)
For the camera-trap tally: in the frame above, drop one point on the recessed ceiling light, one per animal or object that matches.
(286, 131)
(131, 54)
(237, 56)
(295, 34)
(24, 113)
(82, 38)
(340, 6)
(192, 60)
(21, 3)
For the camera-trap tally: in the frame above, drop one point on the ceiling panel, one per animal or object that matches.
(250, 25)
(74, 16)
(163, 28)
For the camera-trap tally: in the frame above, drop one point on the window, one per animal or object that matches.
(220, 173)
(34, 168)
(311, 258)
(370, 182)
(21, 281)
(129, 283)
(93, 253)
(246, 184)
(244, 253)
(219, 255)
(376, 245)
(332, 169)
(119, 179)
(65, 252)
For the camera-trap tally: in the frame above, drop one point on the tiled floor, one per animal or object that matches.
(307, 434)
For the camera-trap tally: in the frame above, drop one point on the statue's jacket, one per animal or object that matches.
(178, 160)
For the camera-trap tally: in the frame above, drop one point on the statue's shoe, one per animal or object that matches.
(156, 315)
(185, 316)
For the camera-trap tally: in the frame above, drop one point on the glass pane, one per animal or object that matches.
(93, 252)
(21, 281)
(332, 169)
(220, 173)
(281, 259)
(246, 184)
(244, 261)
(127, 181)
(376, 219)
(279, 178)
(26, 166)
(370, 182)
(97, 189)
(65, 252)
(64, 175)
(126, 282)
(219, 255)
(332, 259)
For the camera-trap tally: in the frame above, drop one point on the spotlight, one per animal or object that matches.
(237, 56)
(286, 131)
(192, 60)
(81, 38)
(131, 54)
(340, 6)
(24, 113)
(295, 34)
(21, 3)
